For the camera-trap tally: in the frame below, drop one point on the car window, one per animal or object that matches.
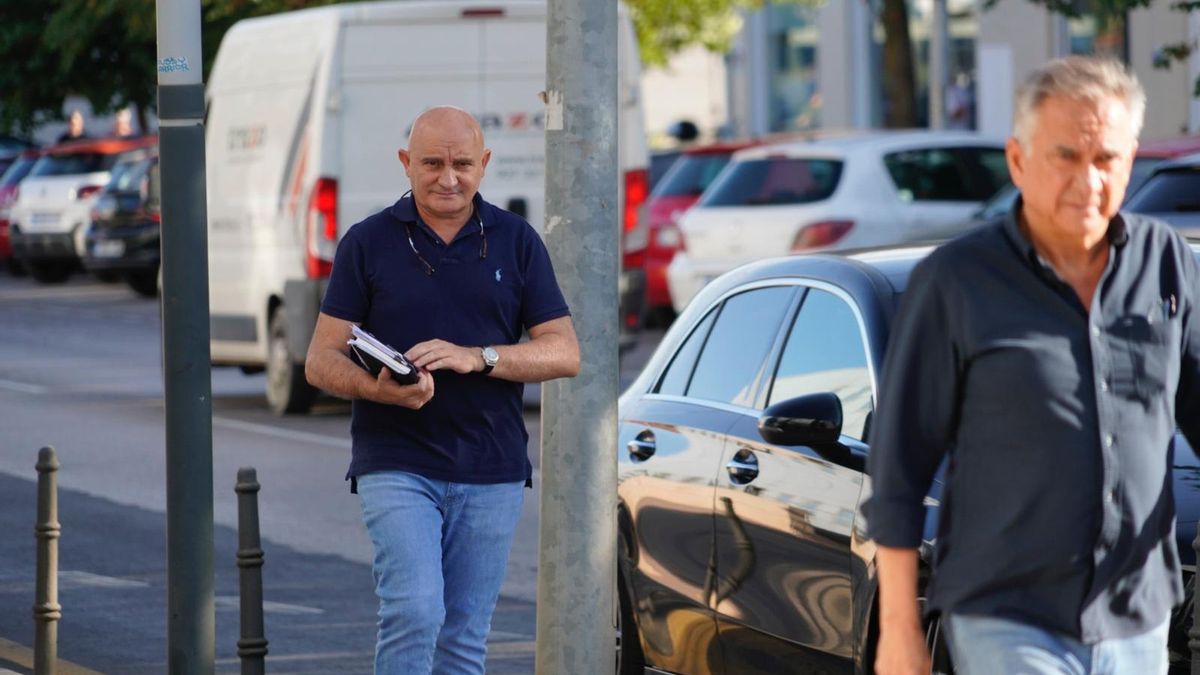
(824, 353)
(127, 176)
(733, 361)
(947, 174)
(75, 163)
(17, 171)
(1173, 191)
(675, 380)
(1142, 167)
(773, 181)
(691, 175)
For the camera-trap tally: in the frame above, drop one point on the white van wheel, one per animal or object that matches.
(287, 389)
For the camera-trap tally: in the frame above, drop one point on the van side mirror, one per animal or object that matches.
(813, 419)
(519, 206)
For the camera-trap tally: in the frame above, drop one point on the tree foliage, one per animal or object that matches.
(103, 50)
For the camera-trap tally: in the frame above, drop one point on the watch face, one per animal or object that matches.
(490, 356)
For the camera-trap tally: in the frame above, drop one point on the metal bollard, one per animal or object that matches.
(1194, 632)
(252, 647)
(46, 610)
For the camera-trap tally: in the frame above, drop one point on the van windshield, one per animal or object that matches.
(774, 181)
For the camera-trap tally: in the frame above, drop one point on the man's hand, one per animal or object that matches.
(412, 396)
(441, 355)
(901, 650)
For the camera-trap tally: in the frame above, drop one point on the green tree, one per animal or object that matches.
(104, 50)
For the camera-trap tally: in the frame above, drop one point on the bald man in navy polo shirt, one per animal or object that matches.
(440, 465)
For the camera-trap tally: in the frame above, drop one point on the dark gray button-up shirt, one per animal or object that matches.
(1058, 421)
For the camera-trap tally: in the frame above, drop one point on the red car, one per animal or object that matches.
(9, 181)
(651, 243)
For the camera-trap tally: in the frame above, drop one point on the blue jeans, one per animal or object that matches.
(440, 553)
(982, 645)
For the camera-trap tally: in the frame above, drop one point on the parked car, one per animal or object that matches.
(50, 216)
(655, 237)
(10, 179)
(741, 545)
(867, 189)
(1172, 193)
(126, 222)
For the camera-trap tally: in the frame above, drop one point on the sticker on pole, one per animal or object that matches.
(553, 101)
(173, 64)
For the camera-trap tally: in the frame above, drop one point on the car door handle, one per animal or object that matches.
(642, 447)
(743, 468)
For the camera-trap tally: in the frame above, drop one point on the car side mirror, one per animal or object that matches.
(813, 419)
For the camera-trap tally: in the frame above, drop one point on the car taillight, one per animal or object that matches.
(87, 191)
(321, 229)
(636, 191)
(823, 233)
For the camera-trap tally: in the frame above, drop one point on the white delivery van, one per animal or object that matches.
(305, 112)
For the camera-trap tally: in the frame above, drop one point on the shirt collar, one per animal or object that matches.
(1118, 234)
(405, 210)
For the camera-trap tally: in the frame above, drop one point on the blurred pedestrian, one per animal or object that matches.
(441, 465)
(1048, 357)
(960, 103)
(123, 123)
(75, 129)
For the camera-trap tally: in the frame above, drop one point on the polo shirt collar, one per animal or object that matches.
(405, 210)
(1118, 234)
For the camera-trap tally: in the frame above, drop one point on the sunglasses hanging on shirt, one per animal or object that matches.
(425, 263)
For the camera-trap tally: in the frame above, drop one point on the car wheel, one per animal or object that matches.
(287, 390)
(630, 660)
(143, 282)
(48, 272)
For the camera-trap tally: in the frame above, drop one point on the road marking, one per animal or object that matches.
(233, 602)
(267, 430)
(326, 656)
(64, 292)
(22, 387)
(68, 578)
(23, 656)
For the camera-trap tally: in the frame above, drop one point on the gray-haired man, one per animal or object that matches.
(1050, 356)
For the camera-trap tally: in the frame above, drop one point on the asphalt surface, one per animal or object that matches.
(79, 370)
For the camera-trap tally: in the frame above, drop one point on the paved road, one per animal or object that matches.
(79, 370)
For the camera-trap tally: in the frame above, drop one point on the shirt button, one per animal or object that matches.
(1108, 440)
(1096, 330)
(1104, 385)
(1109, 496)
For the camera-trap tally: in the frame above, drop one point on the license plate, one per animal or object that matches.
(45, 218)
(108, 249)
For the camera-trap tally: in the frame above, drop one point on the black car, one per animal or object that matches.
(1172, 194)
(126, 222)
(740, 539)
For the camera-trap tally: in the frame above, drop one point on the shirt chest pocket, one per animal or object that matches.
(1141, 357)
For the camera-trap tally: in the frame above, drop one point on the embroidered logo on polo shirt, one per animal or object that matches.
(497, 275)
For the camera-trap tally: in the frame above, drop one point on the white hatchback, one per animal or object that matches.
(863, 190)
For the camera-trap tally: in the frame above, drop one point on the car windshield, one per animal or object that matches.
(772, 181)
(1142, 166)
(1171, 191)
(691, 175)
(19, 169)
(74, 163)
(127, 176)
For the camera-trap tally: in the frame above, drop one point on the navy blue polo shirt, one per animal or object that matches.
(472, 430)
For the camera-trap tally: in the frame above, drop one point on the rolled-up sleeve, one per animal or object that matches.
(916, 416)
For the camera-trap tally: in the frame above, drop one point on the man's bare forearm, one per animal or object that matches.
(545, 357)
(897, 569)
(334, 372)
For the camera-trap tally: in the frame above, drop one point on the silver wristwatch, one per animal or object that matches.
(490, 358)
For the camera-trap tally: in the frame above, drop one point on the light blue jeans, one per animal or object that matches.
(440, 554)
(989, 646)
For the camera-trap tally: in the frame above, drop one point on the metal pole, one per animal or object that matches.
(576, 561)
(46, 610)
(188, 389)
(252, 647)
(938, 65)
